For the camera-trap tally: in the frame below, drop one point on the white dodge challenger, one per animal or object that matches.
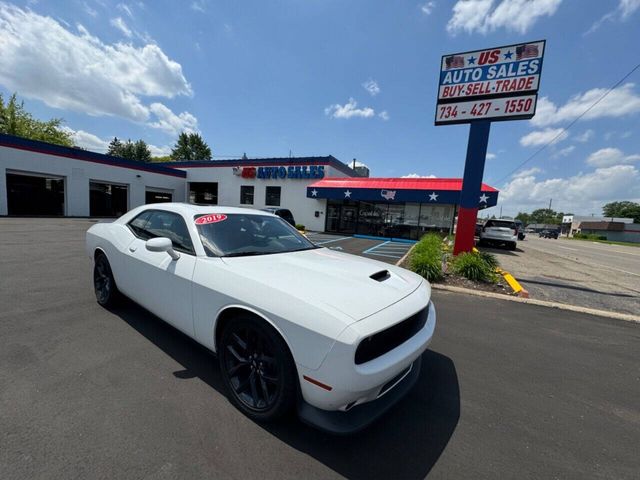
(294, 325)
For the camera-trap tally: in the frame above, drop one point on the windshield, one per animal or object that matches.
(239, 234)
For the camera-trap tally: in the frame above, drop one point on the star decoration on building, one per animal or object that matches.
(483, 198)
(433, 197)
(508, 55)
(471, 60)
(314, 193)
(347, 194)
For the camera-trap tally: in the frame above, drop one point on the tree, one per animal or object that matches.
(15, 120)
(525, 218)
(190, 146)
(624, 209)
(163, 159)
(138, 151)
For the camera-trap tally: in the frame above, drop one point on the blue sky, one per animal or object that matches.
(354, 79)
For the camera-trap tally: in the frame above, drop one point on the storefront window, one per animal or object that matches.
(272, 196)
(203, 193)
(246, 195)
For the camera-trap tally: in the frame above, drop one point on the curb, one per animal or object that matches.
(543, 303)
(406, 255)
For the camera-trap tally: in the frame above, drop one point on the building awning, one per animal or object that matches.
(418, 190)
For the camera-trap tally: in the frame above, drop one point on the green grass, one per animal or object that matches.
(610, 242)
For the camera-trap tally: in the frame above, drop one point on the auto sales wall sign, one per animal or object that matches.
(494, 84)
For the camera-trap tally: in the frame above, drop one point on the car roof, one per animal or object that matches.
(189, 209)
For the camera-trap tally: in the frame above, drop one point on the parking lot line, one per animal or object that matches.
(389, 249)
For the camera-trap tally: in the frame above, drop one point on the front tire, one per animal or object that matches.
(257, 369)
(104, 284)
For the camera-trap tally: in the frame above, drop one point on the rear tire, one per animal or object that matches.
(512, 246)
(104, 284)
(257, 369)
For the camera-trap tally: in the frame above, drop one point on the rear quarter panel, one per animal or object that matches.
(112, 239)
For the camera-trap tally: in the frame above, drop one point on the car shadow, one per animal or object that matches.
(405, 443)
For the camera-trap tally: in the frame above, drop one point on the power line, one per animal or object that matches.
(563, 130)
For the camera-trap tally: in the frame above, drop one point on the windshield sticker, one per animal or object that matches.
(211, 218)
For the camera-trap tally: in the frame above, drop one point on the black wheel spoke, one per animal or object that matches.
(237, 356)
(233, 370)
(265, 390)
(254, 390)
(242, 386)
(270, 379)
(241, 343)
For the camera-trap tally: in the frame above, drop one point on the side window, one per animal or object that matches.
(158, 223)
(137, 225)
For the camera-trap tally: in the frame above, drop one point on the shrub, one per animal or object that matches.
(589, 236)
(426, 257)
(300, 227)
(473, 267)
(490, 259)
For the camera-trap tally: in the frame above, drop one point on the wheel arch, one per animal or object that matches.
(231, 311)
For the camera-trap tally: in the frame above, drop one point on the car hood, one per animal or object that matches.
(326, 277)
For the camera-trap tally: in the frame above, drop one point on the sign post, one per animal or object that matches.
(479, 87)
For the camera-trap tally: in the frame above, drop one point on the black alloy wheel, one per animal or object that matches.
(103, 282)
(257, 369)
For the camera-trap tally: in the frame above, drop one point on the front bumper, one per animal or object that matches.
(342, 396)
(344, 423)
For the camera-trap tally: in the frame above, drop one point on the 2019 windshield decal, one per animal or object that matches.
(211, 218)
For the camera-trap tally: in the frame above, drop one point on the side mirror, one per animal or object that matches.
(162, 244)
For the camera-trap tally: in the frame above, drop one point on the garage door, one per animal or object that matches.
(35, 194)
(108, 199)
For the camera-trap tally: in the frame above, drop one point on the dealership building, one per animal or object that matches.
(323, 193)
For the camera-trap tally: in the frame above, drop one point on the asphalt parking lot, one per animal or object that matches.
(387, 251)
(588, 274)
(508, 390)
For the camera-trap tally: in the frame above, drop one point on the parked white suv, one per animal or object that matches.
(500, 232)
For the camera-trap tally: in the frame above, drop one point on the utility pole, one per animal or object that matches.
(550, 200)
(500, 211)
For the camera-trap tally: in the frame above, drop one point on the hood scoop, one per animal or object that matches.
(380, 276)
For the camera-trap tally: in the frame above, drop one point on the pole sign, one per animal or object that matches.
(494, 84)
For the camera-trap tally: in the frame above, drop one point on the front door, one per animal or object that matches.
(348, 218)
(156, 281)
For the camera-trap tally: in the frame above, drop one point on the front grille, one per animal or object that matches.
(382, 342)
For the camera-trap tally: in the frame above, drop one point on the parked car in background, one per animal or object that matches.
(520, 226)
(549, 234)
(282, 213)
(499, 232)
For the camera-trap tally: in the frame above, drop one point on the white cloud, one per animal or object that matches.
(199, 5)
(384, 115)
(126, 9)
(527, 173)
(348, 110)
(88, 10)
(542, 137)
(606, 157)
(581, 193)
(628, 7)
(121, 25)
(625, 9)
(618, 103)
(372, 87)
(93, 143)
(170, 122)
(427, 7)
(514, 15)
(564, 151)
(87, 140)
(77, 71)
(490, 156)
(584, 137)
(416, 175)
